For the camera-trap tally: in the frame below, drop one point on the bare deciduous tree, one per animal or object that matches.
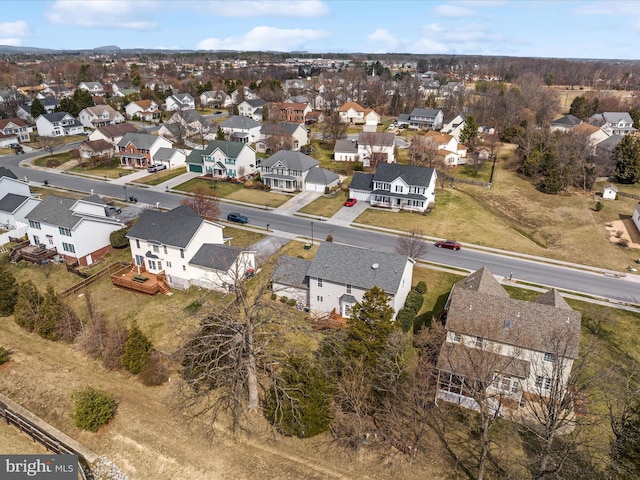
(412, 244)
(204, 202)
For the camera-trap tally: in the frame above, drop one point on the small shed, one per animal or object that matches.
(610, 192)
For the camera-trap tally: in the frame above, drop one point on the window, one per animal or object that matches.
(543, 382)
(320, 282)
(159, 265)
(156, 249)
(68, 247)
(64, 231)
(139, 259)
(182, 254)
(348, 288)
(35, 225)
(184, 268)
(479, 342)
(137, 243)
(152, 264)
(50, 239)
(547, 383)
(399, 188)
(456, 337)
(36, 239)
(168, 264)
(319, 298)
(549, 357)
(165, 249)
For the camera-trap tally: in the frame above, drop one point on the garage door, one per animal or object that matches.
(195, 168)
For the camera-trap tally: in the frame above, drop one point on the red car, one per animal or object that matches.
(450, 244)
(350, 202)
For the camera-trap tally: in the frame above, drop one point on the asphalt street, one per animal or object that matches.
(579, 279)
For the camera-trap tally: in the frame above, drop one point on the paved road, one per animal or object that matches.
(284, 224)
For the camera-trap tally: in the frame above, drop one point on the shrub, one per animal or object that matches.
(8, 292)
(137, 350)
(327, 190)
(194, 306)
(421, 287)
(274, 296)
(599, 206)
(406, 317)
(329, 238)
(118, 238)
(623, 242)
(4, 355)
(292, 302)
(92, 408)
(284, 299)
(619, 233)
(27, 308)
(414, 301)
(155, 372)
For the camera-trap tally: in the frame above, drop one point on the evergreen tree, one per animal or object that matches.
(51, 312)
(627, 159)
(220, 134)
(8, 292)
(68, 105)
(469, 134)
(299, 402)
(83, 99)
(37, 108)
(137, 350)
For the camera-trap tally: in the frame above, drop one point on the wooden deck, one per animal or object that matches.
(33, 254)
(143, 282)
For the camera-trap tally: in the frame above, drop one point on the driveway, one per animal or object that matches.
(347, 215)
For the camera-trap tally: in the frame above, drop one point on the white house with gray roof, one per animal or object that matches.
(94, 88)
(223, 159)
(400, 187)
(614, 123)
(16, 201)
(339, 275)
(519, 351)
(297, 134)
(241, 129)
(422, 119)
(252, 108)
(188, 249)
(58, 124)
(171, 157)
(77, 229)
(287, 171)
(179, 101)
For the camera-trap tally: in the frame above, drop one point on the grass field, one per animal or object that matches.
(111, 169)
(236, 191)
(161, 176)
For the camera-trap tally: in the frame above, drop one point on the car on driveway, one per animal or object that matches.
(113, 210)
(450, 244)
(350, 202)
(237, 217)
(156, 168)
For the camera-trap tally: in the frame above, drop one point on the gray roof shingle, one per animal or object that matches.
(291, 160)
(359, 267)
(321, 176)
(55, 210)
(11, 201)
(215, 256)
(291, 271)
(140, 140)
(241, 122)
(175, 227)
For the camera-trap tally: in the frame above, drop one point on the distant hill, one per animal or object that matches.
(14, 49)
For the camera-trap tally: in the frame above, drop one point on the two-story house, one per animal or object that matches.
(146, 110)
(223, 158)
(614, 123)
(293, 112)
(252, 108)
(422, 119)
(138, 149)
(58, 124)
(99, 116)
(244, 129)
(77, 229)
(112, 133)
(191, 122)
(16, 201)
(287, 170)
(452, 152)
(454, 127)
(293, 135)
(353, 113)
(13, 130)
(346, 150)
(179, 101)
(504, 351)
(24, 111)
(376, 148)
(339, 275)
(402, 187)
(215, 99)
(188, 249)
(95, 88)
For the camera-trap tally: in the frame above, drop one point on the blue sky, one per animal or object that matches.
(551, 28)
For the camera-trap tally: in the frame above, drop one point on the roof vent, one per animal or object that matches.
(375, 266)
(507, 323)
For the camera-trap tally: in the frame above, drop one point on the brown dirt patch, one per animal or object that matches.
(623, 229)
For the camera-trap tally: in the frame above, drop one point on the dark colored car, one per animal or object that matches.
(237, 217)
(350, 202)
(112, 209)
(450, 244)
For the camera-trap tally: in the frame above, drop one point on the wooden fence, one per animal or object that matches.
(449, 178)
(44, 438)
(629, 195)
(114, 267)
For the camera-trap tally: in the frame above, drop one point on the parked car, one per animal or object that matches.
(112, 209)
(350, 202)
(237, 217)
(450, 244)
(156, 168)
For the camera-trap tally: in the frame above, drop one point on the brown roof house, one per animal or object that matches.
(511, 355)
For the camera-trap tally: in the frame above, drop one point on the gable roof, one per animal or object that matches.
(140, 140)
(99, 145)
(55, 210)
(190, 116)
(345, 146)
(216, 256)
(291, 271)
(238, 121)
(144, 104)
(359, 267)
(11, 201)
(481, 307)
(164, 153)
(362, 181)
(5, 172)
(230, 149)
(321, 176)
(424, 112)
(291, 160)
(16, 121)
(175, 227)
(256, 102)
(352, 105)
(117, 130)
(412, 175)
(384, 139)
(56, 116)
(282, 128)
(567, 121)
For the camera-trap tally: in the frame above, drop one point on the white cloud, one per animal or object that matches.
(104, 13)
(453, 10)
(382, 35)
(265, 8)
(14, 42)
(15, 32)
(265, 38)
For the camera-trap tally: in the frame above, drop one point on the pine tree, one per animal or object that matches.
(137, 350)
(469, 134)
(627, 158)
(51, 312)
(37, 108)
(220, 134)
(8, 292)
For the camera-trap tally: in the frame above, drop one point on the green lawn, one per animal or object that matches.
(61, 158)
(236, 191)
(162, 176)
(111, 169)
(325, 206)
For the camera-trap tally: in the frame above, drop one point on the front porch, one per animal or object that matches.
(134, 277)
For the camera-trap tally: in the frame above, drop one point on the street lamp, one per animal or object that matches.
(311, 233)
(125, 192)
